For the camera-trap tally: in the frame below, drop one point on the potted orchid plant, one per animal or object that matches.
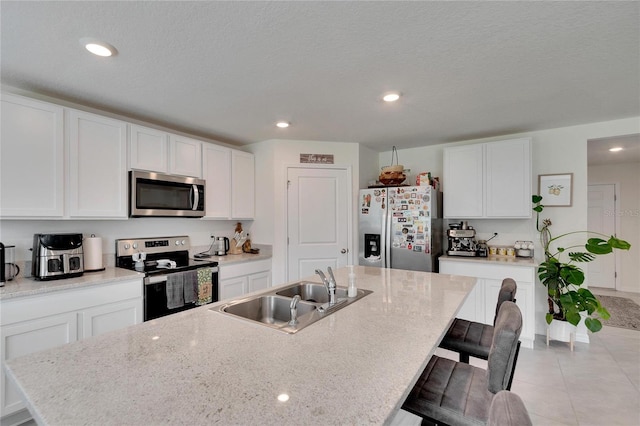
(562, 277)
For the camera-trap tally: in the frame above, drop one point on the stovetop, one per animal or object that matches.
(174, 249)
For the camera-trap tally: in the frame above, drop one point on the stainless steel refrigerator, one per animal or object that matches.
(400, 227)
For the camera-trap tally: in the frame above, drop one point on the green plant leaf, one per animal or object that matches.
(579, 256)
(604, 314)
(536, 198)
(573, 317)
(572, 275)
(560, 249)
(549, 318)
(538, 209)
(593, 324)
(619, 244)
(566, 300)
(598, 246)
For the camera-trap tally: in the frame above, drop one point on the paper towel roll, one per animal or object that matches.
(92, 248)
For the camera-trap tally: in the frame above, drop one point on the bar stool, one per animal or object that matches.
(457, 393)
(507, 409)
(470, 338)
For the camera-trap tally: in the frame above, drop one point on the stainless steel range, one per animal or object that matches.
(173, 281)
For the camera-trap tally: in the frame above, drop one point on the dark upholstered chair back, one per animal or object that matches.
(507, 293)
(504, 346)
(507, 409)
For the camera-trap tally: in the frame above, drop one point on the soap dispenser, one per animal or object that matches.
(352, 290)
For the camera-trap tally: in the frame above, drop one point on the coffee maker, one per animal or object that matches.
(462, 240)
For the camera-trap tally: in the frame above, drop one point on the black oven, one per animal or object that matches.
(155, 296)
(173, 281)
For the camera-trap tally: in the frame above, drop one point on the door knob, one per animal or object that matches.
(343, 251)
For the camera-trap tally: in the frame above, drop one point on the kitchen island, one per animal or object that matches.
(355, 366)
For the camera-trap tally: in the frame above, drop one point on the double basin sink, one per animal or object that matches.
(273, 309)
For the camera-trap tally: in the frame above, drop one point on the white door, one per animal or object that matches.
(601, 217)
(318, 219)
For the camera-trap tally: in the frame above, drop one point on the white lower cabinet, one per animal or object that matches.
(32, 336)
(241, 278)
(114, 316)
(480, 305)
(259, 281)
(35, 323)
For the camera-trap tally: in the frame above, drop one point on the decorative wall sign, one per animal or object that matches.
(316, 158)
(556, 190)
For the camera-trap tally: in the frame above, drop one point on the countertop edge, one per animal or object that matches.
(25, 287)
(493, 260)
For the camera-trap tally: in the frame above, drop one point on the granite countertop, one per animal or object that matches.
(21, 286)
(239, 258)
(498, 260)
(354, 366)
(265, 253)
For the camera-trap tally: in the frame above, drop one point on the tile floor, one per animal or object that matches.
(597, 384)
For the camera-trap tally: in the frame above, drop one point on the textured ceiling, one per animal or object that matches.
(229, 70)
(598, 150)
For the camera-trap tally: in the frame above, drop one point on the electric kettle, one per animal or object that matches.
(221, 246)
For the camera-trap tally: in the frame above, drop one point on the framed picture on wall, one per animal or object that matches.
(556, 190)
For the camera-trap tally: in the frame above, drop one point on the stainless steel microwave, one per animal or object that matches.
(156, 194)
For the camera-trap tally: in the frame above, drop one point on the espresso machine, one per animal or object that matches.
(462, 240)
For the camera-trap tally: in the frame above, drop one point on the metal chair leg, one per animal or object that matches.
(513, 368)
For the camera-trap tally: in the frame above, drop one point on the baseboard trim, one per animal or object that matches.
(16, 419)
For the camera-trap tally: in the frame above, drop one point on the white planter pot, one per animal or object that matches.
(563, 331)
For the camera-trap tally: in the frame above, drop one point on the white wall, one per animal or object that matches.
(562, 150)
(626, 177)
(272, 159)
(369, 167)
(20, 232)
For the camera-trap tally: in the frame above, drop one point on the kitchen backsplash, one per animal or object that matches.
(20, 232)
(509, 230)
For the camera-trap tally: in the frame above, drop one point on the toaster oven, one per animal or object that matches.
(57, 256)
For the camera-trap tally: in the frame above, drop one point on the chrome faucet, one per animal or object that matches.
(294, 310)
(330, 284)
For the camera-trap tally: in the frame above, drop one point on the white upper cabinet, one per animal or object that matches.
(31, 158)
(508, 178)
(148, 149)
(230, 174)
(216, 170)
(157, 151)
(97, 166)
(185, 156)
(242, 185)
(462, 183)
(489, 180)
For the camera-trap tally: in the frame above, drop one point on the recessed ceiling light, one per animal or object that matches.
(391, 97)
(283, 397)
(282, 124)
(98, 47)
(615, 149)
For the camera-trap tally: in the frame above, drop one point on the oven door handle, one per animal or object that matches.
(155, 280)
(162, 278)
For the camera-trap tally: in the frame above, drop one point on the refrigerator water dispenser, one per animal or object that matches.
(371, 245)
